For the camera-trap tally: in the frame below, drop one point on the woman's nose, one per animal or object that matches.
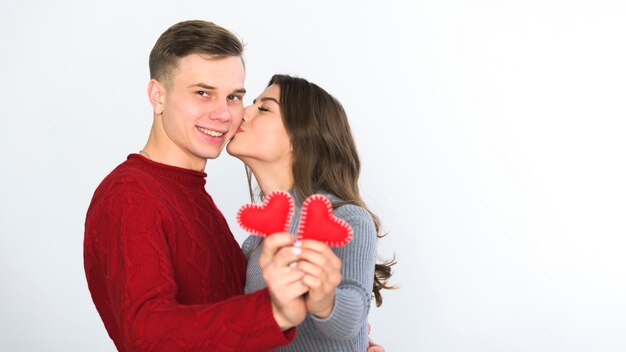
(248, 113)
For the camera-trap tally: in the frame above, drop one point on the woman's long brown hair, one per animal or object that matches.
(324, 154)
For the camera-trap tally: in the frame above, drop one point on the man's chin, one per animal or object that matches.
(214, 153)
(212, 156)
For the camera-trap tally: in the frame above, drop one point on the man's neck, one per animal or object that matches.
(169, 154)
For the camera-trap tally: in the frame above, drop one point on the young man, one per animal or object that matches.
(163, 268)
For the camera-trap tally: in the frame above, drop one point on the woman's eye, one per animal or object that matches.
(262, 108)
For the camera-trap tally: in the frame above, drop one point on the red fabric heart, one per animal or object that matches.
(317, 222)
(274, 215)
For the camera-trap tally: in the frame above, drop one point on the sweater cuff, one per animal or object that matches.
(351, 307)
(286, 336)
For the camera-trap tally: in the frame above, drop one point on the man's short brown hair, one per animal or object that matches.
(190, 37)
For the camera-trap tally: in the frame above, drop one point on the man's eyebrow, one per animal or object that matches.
(266, 99)
(208, 87)
(202, 85)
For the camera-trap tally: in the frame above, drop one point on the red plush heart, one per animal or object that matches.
(317, 222)
(274, 215)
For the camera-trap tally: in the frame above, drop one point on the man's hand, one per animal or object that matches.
(284, 283)
(372, 346)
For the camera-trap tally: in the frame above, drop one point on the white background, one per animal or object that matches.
(491, 135)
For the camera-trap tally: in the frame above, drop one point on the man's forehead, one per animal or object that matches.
(211, 72)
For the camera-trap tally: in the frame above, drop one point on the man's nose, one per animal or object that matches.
(220, 112)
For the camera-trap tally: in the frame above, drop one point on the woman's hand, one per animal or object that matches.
(285, 284)
(322, 275)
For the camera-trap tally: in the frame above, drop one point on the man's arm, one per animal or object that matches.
(127, 257)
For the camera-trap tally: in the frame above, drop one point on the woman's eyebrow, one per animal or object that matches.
(268, 98)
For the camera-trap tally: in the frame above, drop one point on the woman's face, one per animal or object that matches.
(262, 136)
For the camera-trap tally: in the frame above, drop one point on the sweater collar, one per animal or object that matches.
(333, 198)
(188, 176)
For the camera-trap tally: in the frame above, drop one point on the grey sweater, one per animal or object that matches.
(346, 328)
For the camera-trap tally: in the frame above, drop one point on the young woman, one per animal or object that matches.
(296, 137)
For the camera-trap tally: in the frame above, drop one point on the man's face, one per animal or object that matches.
(202, 108)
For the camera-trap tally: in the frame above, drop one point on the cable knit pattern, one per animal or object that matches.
(164, 270)
(346, 328)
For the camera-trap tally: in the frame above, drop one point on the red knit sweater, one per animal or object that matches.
(164, 270)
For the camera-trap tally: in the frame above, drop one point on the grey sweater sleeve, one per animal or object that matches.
(346, 328)
(353, 295)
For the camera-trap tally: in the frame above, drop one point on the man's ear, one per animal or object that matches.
(156, 94)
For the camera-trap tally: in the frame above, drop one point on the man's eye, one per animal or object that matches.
(234, 97)
(202, 93)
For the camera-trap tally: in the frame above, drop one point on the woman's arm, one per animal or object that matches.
(351, 298)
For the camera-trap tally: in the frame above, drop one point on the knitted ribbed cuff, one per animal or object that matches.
(351, 306)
